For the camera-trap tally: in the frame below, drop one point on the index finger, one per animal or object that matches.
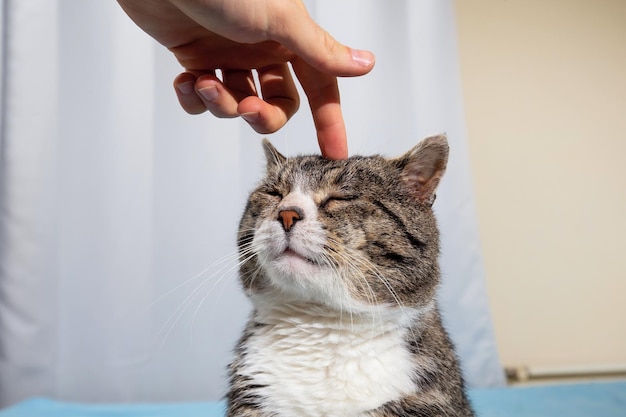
(322, 92)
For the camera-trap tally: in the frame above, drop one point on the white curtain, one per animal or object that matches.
(118, 211)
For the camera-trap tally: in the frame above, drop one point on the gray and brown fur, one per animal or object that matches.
(378, 211)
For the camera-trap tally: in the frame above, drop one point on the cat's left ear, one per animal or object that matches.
(274, 158)
(423, 166)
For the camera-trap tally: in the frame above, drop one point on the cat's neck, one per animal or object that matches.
(351, 318)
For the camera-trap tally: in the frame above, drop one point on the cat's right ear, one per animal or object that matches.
(273, 157)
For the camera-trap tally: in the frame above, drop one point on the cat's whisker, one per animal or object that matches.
(254, 273)
(327, 260)
(351, 260)
(394, 295)
(221, 279)
(175, 317)
(145, 309)
(367, 265)
(225, 258)
(353, 270)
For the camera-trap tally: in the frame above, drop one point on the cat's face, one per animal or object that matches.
(347, 234)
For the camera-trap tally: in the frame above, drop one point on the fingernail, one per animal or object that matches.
(363, 58)
(209, 93)
(250, 117)
(185, 88)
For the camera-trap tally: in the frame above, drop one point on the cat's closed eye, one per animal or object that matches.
(338, 198)
(274, 193)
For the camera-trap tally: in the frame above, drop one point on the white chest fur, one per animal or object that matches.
(312, 365)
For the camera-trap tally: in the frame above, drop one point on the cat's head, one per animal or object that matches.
(347, 234)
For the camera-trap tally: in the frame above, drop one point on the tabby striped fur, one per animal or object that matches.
(339, 259)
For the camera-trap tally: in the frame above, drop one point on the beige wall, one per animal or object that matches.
(544, 83)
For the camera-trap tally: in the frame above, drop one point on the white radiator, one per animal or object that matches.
(532, 373)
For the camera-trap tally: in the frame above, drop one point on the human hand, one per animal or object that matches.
(237, 37)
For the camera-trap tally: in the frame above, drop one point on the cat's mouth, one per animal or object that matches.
(289, 253)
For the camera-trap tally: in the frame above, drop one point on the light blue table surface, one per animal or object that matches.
(600, 399)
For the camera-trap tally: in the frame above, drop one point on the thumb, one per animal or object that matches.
(299, 33)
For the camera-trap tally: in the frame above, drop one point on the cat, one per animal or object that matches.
(339, 260)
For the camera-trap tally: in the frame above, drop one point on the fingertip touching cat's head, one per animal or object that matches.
(351, 234)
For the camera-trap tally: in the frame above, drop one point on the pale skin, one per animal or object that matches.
(238, 36)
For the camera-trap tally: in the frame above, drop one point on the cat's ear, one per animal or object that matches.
(273, 157)
(423, 166)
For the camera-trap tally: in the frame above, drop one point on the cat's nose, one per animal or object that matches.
(289, 216)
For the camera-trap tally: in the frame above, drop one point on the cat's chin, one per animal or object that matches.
(302, 279)
(292, 264)
(291, 255)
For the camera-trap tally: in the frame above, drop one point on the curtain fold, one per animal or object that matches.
(28, 206)
(118, 211)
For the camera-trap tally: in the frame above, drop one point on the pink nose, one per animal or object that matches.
(289, 216)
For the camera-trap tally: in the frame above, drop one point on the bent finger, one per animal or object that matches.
(199, 93)
(184, 85)
(216, 97)
(280, 100)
